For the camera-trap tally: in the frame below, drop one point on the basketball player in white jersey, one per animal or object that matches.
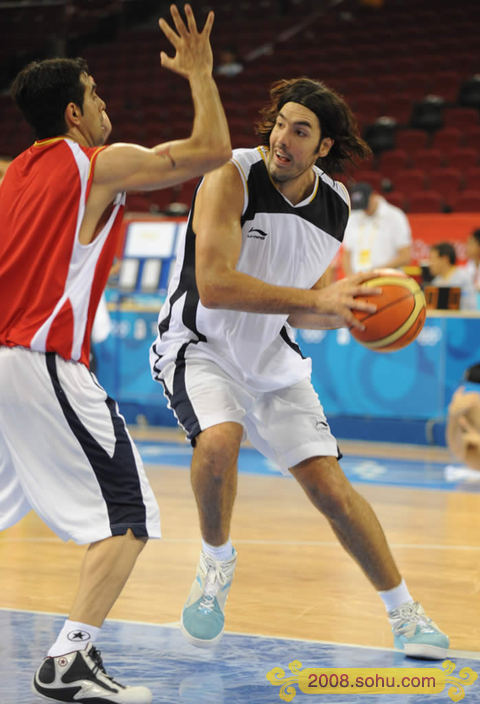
(262, 231)
(64, 449)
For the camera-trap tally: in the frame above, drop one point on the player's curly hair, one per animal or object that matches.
(43, 89)
(334, 115)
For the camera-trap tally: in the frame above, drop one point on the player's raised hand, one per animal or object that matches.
(193, 53)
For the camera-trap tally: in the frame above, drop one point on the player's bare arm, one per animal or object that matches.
(217, 225)
(132, 167)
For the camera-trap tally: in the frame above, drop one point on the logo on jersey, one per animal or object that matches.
(78, 636)
(261, 234)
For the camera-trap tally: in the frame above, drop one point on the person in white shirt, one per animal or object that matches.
(473, 263)
(442, 263)
(377, 235)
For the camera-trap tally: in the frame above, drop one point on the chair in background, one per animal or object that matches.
(425, 202)
(428, 159)
(411, 140)
(467, 201)
(446, 181)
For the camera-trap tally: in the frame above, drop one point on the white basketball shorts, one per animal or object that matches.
(65, 452)
(287, 425)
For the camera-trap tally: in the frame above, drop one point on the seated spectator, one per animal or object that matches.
(463, 423)
(377, 234)
(229, 64)
(473, 263)
(443, 267)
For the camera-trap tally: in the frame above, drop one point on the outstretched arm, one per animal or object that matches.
(131, 167)
(217, 225)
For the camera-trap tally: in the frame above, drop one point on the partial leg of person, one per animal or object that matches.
(214, 483)
(359, 531)
(78, 469)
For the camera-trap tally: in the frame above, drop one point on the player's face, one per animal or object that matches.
(295, 143)
(436, 263)
(96, 125)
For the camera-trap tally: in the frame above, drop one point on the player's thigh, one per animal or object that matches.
(13, 503)
(72, 454)
(289, 426)
(204, 396)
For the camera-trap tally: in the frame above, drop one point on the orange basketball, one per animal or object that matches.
(400, 314)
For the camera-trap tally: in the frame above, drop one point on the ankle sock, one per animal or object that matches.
(73, 636)
(393, 598)
(220, 553)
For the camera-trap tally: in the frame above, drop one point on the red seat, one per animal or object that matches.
(460, 117)
(463, 158)
(447, 138)
(399, 107)
(374, 178)
(471, 177)
(467, 201)
(425, 202)
(136, 203)
(411, 140)
(428, 159)
(393, 160)
(471, 137)
(409, 181)
(446, 181)
(397, 198)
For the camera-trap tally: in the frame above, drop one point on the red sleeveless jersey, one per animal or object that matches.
(50, 284)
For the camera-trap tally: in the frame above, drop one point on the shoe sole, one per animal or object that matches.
(200, 642)
(426, 652)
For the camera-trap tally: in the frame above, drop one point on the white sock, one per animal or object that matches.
(393, 598)
(220, 553)
(73, 636)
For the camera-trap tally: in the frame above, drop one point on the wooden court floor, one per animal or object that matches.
(293, 579)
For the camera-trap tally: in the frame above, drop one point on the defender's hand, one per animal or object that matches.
(193, 50)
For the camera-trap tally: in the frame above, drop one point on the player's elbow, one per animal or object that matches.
(209, 293)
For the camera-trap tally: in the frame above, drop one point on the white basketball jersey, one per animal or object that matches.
(282, 244)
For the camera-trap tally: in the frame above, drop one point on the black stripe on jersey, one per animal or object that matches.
(327, 211)
(187, 283)
(179, 399)
(285, 336)
(117, 476)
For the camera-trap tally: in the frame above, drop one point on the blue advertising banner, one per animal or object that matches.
(414, 383)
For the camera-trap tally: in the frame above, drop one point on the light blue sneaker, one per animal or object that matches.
(203, 620)
(416, 634)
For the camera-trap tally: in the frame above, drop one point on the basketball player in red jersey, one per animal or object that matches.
(64, 449)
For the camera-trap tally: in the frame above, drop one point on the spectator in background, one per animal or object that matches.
(377, 235)
(229, 64)
(473, 264)
(443, 267)
(463, 424)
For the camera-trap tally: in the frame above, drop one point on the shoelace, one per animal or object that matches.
(97, 659)
(407, 614)
(214, 579)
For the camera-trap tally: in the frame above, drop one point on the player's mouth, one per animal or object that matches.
(281, 157)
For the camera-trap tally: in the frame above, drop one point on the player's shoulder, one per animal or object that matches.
(245, 158)
(336, 187)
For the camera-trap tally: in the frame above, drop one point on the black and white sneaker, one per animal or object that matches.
(81, 677)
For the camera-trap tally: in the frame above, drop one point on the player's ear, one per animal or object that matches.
(325, 145)
(72, 114)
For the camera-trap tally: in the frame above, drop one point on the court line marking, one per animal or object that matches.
(290, 543)
(464, 654)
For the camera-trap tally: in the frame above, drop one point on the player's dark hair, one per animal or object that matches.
(476, 235)
(335, 118)
(445, 249)
(472, 374)
(43, 89)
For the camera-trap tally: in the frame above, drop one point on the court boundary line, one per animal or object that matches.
(452, 653)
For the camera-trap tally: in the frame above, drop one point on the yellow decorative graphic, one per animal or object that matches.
(371, 680)
(277, 677)
(466, 677)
